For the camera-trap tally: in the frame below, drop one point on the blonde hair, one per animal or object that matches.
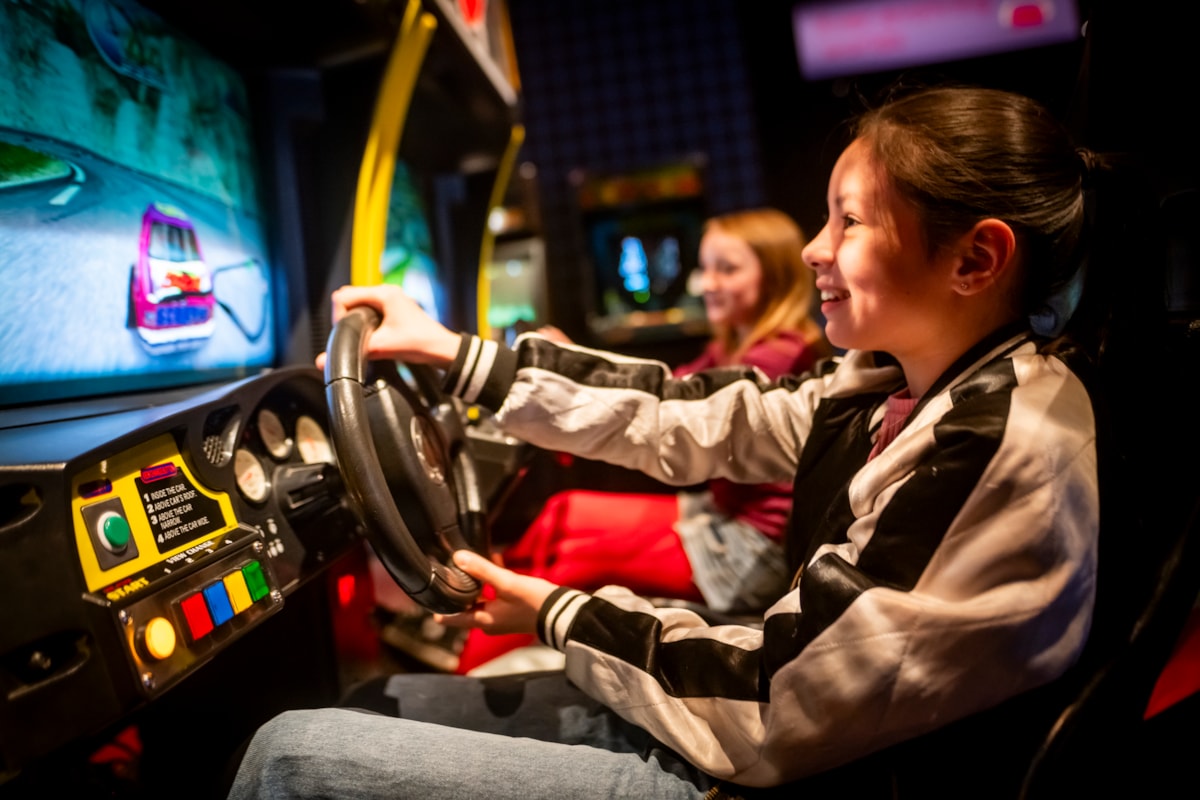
(785, 296)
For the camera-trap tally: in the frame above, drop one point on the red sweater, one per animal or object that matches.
(765, 506)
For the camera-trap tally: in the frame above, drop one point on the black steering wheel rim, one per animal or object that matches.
(446, 490)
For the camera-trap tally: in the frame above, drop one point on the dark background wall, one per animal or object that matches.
(622, 84)
(618, 85)
(613, 85)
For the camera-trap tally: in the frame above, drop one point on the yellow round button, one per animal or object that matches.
(159, 638)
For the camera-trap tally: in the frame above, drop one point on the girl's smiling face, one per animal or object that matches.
(731, 277)
(880, 288)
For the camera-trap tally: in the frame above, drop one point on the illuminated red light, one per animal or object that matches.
(157, 473)
(346, 589)
(472, 10)
(1028, 15)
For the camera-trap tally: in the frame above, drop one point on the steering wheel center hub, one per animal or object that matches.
(424, 440)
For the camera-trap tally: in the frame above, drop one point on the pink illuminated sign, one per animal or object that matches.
(845, 38)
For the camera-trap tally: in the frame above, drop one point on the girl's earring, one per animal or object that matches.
(963, 286)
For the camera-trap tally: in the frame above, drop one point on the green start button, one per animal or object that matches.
(114, 532)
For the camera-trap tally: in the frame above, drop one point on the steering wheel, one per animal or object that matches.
(402, 450)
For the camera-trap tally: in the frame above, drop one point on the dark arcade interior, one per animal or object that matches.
(611, 88)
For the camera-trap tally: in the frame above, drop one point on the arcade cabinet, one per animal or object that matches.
(642, 229)
(179, 557)
(513, 289)
(437, 167)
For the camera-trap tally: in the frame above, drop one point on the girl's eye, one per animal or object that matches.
(848, 221)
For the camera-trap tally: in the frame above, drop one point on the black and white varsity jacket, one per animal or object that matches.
(952, 571)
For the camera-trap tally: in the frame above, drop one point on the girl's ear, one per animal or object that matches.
(988, 254)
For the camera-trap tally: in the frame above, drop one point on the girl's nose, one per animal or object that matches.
(816, 253)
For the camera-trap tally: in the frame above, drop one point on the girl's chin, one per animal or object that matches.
(840, 339)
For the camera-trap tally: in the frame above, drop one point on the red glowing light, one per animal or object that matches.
(473, 11)
(1029, 15)
(347, 587)
(152, 474)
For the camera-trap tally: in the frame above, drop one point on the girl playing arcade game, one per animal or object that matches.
(721, 546)
(945, 524)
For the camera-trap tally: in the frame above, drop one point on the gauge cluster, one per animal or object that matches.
(277, 436)
(286, 478)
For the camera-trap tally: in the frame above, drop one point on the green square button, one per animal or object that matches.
(256, 581)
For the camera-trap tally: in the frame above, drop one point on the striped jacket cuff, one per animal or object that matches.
(557, 614)
(482, 372)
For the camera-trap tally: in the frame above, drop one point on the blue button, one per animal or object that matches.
(218, 603)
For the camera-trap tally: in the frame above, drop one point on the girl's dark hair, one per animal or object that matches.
(961, 155)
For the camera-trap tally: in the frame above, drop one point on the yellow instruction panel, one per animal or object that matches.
(141, 515)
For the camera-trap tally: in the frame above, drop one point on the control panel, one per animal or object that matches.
(170, 559)
(139, 543)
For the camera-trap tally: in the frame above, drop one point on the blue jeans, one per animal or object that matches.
(520, 737)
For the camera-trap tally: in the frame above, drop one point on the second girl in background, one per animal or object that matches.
(720, 546)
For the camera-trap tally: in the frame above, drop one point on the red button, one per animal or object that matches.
(195, 612)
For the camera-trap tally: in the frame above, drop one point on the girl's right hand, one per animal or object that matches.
(515, 607)
(406, 332)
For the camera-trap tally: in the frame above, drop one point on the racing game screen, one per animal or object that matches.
(132, 243)
(408, 255)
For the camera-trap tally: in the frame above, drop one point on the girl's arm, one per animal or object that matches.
(731, 423)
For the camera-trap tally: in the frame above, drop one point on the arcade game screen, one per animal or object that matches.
(408, 252)
(516, 286)
(132, 245)
(642, 232)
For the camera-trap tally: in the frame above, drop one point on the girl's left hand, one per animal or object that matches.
(515, 606)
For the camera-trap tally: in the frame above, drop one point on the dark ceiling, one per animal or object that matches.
(254, 34)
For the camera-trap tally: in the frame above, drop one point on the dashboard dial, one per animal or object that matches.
(251, 477)
(312, 442)
(274, 437)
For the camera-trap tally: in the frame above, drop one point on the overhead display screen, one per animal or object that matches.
(837, 38)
